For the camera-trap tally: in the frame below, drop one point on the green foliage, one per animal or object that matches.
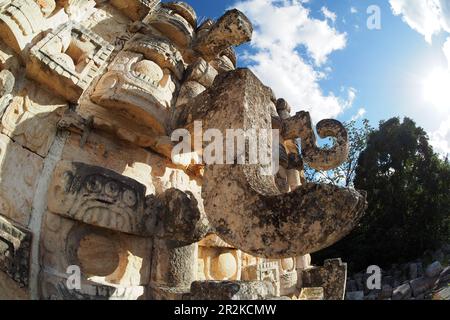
(408, 198)
(345, 173)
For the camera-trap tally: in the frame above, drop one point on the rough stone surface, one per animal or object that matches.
(433, 269)
(331, 277)
(231, 290)
(402, 292)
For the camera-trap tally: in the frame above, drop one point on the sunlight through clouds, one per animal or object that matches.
(429, 18)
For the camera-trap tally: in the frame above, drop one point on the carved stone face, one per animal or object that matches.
(142, 82)
(99, 197)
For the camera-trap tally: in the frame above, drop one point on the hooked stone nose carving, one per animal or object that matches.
(244, 206)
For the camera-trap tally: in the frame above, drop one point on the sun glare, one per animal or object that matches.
(436, 88)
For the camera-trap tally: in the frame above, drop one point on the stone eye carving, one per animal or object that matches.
(129, 197)
(93, 185)
(245, 207)
(112, 189)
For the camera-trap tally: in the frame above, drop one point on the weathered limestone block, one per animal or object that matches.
(157, 173)
(174, 268)
(402, 292)
(20, 170)
(68, 59)
(244, 205)
(8, 58)
(142, 82)
(176, 215)
(199, 76)
(231, 290)
(15, 244)
(109, 23)
(21, 21)
(136, 9)
(232, 29)
(7, 81)
(312, 294)
(31, 118)
(331, 277)
(288, 277)
(106, 258)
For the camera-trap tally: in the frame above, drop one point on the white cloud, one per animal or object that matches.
(359, 114)
(428, 17)
(353, 10)
(440, 139)
(446, 49)
(328, 14)
(283, 28)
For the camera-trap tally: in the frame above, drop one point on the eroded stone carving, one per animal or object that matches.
(142, 80)
(21, 21)
(98, 196)
(112, 264)
(15, 251)
(67, 60)
(31, 118)
(245, 207)
(18, 180)
(6, 87)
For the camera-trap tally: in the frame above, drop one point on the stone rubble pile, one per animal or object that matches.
(410, 281)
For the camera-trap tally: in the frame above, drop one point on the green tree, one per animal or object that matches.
(345, 173)
(408, 198)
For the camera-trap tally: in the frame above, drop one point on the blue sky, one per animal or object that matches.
(321, 57)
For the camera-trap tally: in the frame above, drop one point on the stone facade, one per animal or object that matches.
(90, 95)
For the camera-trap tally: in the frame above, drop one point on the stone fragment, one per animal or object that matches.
(433, 269)
(421, 285)
(231, 290)
(386, 292)
(136, 9)
(312, 294)
(232, 29)
(413, 271)
(20, 171)
(32, 116)
(355, 295)
(402, 292)
(331, 277)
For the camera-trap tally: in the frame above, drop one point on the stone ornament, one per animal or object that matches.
(245, 207)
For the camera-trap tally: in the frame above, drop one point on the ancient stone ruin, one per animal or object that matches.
(90, 94)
